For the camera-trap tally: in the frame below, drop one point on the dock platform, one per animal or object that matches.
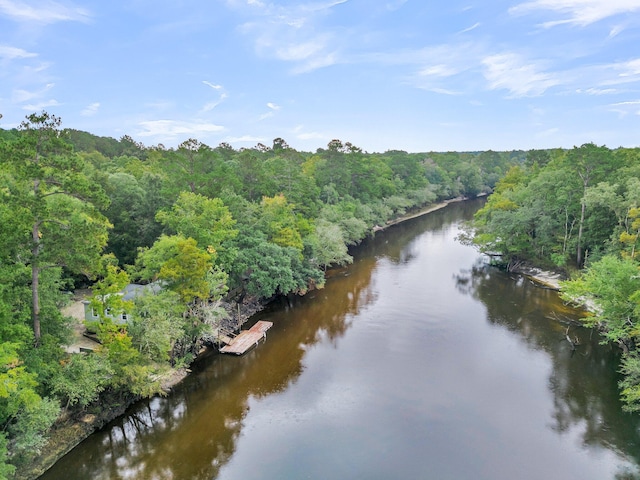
(247, 339)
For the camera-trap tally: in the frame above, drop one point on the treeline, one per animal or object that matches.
(203, 223)
(578, 210)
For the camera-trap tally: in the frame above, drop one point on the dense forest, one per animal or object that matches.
(578, 210)
(211, 227)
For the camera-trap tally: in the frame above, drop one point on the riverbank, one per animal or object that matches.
(544, 278)
(71, 431)
(419, 213)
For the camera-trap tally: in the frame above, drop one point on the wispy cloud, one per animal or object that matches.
(446, 69)
(578, 12)
(175, 128)
(90, 109)
(211, 105)
(36, 107)
(549, 132)
(597, 91)
(629, 69)
(625, 108)
(244, 139)
(301, 134)
(44, 12)
(272, 109)
(521, 78)
(11, 53)
(20, 95)
(212, 85)
(472, 27)
(293, 33)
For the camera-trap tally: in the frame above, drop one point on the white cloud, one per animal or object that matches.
(294, 33)
(472, 27)
(597, 91)
(629, 69)
(244, 139)
(300, 134)
(36, 107)
(615, 31)
(20, 95)
(214, 86)
(273, 108)
(625, 108)
(45, 12)
(12, 53)
(211, 105)
(511, 72)
(174, 128)
(311, 136)
(90, 110)
(440, 70)
(578, 12)
(549, 132)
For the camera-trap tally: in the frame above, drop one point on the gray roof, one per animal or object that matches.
(132, 290)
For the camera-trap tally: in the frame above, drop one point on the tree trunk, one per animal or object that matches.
(35, 273)
(35, 281)
(579, 254)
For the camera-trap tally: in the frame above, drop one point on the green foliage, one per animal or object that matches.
(106, 297)
(81, 379)
(266, 269)
(157, 323)
(207, 220)
(267, 220)
(30, 427)
(280, 223)
(6, 469)
(24, 415)
(131, 371)
(59, 223)
(328, 244)
(179, 264)
(630, 384)
(613, 284)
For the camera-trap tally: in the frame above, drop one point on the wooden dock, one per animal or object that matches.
(247, 339)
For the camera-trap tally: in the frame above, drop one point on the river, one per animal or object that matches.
(418, 361)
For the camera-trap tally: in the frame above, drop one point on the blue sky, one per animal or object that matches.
(415, 75)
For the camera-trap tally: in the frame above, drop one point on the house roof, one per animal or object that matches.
(132, 290)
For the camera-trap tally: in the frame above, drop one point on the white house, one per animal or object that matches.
(129, 292)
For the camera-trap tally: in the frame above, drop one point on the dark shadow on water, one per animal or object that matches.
(583, 379)
(194, 432)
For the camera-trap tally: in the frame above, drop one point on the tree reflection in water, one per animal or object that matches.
(193, 432)
(583, 380)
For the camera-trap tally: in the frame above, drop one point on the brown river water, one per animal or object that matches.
(418, 361)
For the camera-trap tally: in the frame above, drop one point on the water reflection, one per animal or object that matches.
(193, 432)
(583, 379)
(403, 366)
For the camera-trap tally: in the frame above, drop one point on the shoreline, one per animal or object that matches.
(424, 211)
(73, 432)
(543, 278)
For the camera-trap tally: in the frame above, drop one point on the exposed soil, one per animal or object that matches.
(545, 278)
